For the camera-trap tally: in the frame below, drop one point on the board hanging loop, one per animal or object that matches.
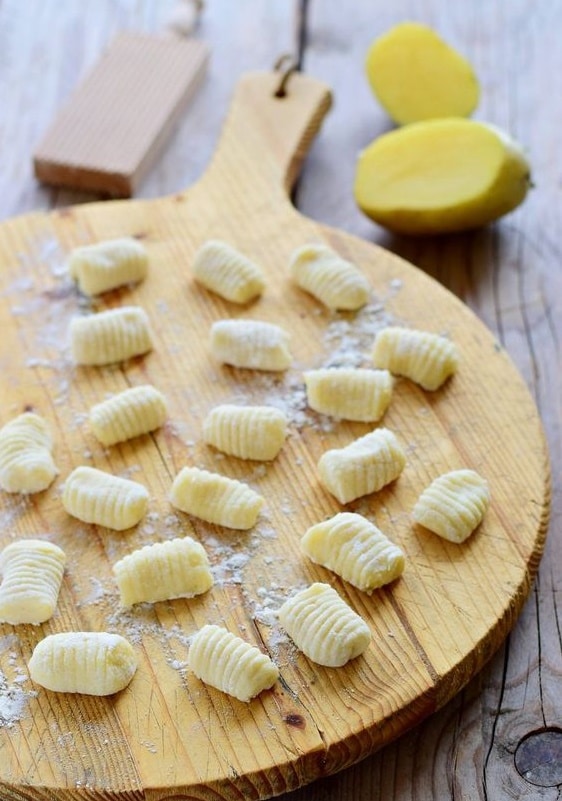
(286, 66)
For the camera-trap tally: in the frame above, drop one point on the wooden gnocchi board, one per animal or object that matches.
(167, 735)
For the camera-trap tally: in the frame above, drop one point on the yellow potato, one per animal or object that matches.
(440, 176)
(416, 75)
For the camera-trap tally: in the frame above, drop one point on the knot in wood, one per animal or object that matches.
(538, 757)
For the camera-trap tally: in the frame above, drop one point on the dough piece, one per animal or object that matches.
(26, 461)
(107, 265)
(355, 549)
(95, 496)
(335, 282)
(453, 505)
(31, 579)
(225, 271)
(230, 664)
(348, 393)
(215, 498)
(248, 432)
(365, 465)
(323, 626)
(250, 343)
(110, 336)
(129, 414)
(427, 359)
(89, 662)
(177, 568)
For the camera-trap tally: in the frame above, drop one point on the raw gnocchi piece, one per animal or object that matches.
(110, 336)
(106, 265)
(129, 414)
(229, 663)
(427, 359)
(26, 461)
(228, 273)
(335, 282)
(248, 432)
(178, 568)
(365, 465)
(453, 505)
(95, 496)
(31, 579)
(348, 393)
(355, 549)
(323, 626)
(215, 498)
(253, 344)
(89, 662)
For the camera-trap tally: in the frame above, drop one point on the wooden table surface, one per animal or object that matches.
(509, 274)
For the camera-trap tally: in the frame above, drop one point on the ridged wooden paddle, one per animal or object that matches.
(168, 735)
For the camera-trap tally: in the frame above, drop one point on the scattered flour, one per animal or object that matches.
(14, 697)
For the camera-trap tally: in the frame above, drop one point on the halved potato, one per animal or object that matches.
(440, 176)
(417, 76)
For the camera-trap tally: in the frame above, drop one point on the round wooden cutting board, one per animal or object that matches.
(167, 735)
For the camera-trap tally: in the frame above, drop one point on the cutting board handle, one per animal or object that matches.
(265, 138)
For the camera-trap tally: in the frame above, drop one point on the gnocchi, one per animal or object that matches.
(229, 663)
(323, 626)
(178, 568)
(95, 496)
(427, 359)
(225, 271)
(453, 505)
(32, 573)
(348, 393)
(107, 265)
(110, 336)
(355, 549)
(215, 498)
(252, 344)
(89, 662)
(335, 282)
(365, 465)
(248, 432)
(128, 414)
(26, 460)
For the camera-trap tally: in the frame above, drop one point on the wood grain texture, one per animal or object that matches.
(432, 631)
(508, 274)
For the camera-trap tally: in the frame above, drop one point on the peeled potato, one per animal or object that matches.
(416, 75)
(440, 176)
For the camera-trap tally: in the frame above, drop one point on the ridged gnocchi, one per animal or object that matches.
(248, 432)
(355, 549)
(334, 281)
(427, 359)
(323, 626)
(228, 273)
(32, 573)
(26, 460)
(177, 568)
(95, 496)
(229, 663)
(110, 336)
(349, 393)
(107, 265)
(215, 498)
(252, 344)
(89, 662)
(365, 465)
(128, 414)
(453, 505)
